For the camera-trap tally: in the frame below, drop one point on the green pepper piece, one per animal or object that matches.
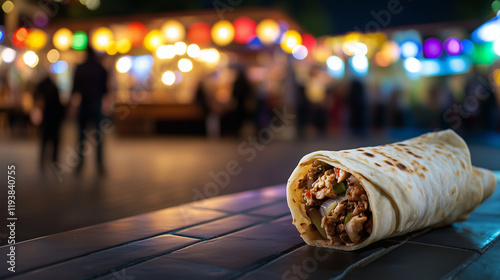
(330, 209)
(347, 218)
(339, 188)
(316, 220)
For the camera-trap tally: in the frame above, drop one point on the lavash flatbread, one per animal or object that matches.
(421, 182)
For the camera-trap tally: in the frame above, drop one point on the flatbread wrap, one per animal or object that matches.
(349, 199)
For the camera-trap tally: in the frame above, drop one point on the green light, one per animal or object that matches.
(484, 54)
(495, 5)
(79, 41)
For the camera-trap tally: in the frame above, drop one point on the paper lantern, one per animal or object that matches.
(173, 31)
(62, 39)
(101, 38)
(20, 37)
(290, 39)
(268, 31)
(136, 32)
(222, 33)
(199, 33)
(79, 41)
(153, 40)
(244, 30)
(36, 39)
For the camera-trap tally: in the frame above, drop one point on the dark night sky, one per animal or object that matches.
(320, 17)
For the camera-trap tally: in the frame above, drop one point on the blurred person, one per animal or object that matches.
(233, 120)
(485, 114)
(90, 83)
(357, 107)
(395, 109)
(316, 93)
(46, 99)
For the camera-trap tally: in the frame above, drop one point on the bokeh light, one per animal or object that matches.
(410, 49)
(244, 30)
(173, 31)
(8, 55)
(19, 37)
(335, 66)
(153, 40)
(111, 48)
(199, 33)
(123, 64)
(2, 33)
(496, 47)
(268, 31)
(8, 6)
(31, 59)
(123, 45)
(209, 55)
(168, 78)
(222, 33)
(136, 32)
(53, 55)
(289, 40)
(299, 52)
(62, 39)
(359, 64)
(79, 41)
(185, 65)
(468, 47)
(453, 46)
(165, 51)
(309, 41)
(432, 48)
(412, 65)
(59, 67)
(101, 38)
(36, 39)
(180, 48)
(40, 19)
(193, 50)
(141, 66)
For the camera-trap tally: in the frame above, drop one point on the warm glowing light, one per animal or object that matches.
(101, 38)
(62, 39)
(309, 41)
(92, 4)
(153, 40)
(20, 36)
(412, 65)
(8, 55)
(173, 31)
(354, 48)
(123, 64)
(199, 33)
(8, 6)
(289, 40)
(111, 49)
(268, 31)
(244, 30)
(168, 78)
(123, 45)
(165, 51)
(222, 33)
(136, 32)
(299, 52)
(53, 55)
(30, 58)
(185, 65)
(180, 48)
(382, 59)
(36, 39)
(209, 55)
(193, 50)
(79, 41)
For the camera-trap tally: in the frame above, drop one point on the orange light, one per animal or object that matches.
(136, 32)
(199, 33)
(62, 39)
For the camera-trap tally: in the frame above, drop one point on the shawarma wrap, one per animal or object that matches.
(349, 199)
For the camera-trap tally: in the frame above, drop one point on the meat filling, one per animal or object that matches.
(343, 203)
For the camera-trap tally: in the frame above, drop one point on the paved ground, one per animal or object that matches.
(146, 174)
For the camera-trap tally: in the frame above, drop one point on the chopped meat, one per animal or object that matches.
(323, 187)
(341, 174)
(354, 228)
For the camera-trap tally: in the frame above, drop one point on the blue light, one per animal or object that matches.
(458, 65)
(59, 67)
(452, 65)
(2, 34)
(487, 32)
(410, 49)
(254, 43)
(359, 64)
(431, 67)
(141, 65)
(335, 66)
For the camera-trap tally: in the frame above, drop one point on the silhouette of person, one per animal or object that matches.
(357, 107)
(90, 81)
(53, 113)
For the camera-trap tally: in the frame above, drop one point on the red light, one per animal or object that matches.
(199, 33)
(136, 32)
(309, 41)
(244, 30)
(19, 37)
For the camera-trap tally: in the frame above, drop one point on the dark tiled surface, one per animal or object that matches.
(250, 236)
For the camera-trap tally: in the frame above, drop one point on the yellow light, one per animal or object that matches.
(123, 45)
(30, 58)
(193, 50)
(53, 55)
(290, 39)
(268, 31)
(209, 55)
(153, 40)
(168, 78)
(185, 65)
(62, 39)
(165, 51)
(496, 76)
(180, 48)
(8, 7)
(173, 31)
(222, 33)
(101, 38)
(36, 39)
(111, 48)
(123, 64)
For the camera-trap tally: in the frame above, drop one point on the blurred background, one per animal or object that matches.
(178, 101)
